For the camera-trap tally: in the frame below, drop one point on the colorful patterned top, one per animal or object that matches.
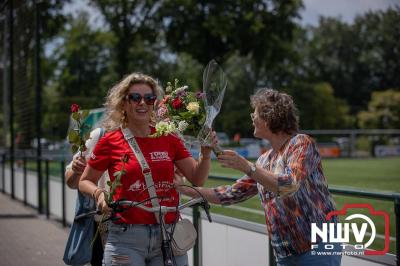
(303, 196)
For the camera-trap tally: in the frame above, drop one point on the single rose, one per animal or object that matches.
(74, 108)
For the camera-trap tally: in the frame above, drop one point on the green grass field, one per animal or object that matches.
(379, 175)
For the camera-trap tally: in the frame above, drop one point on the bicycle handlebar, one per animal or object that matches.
(162, 209)
(88, 214)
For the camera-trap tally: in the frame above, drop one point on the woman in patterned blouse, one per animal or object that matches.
(288, 177)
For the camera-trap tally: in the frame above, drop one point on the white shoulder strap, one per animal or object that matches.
(145, 167)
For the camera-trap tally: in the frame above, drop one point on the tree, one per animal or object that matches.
(23, 44)
(136, 31)
(383, 111)
(355, 59)
(81, 73)
(218, 29)
(235, 112)
(318, 107)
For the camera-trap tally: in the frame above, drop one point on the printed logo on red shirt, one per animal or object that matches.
(159, 186)
(136, 186)
(158, 156)
(92, 156)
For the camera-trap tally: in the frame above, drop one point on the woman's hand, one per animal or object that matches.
(73, 173)
(232, 159)
(78, 165)
(101, 202)
(206, 150)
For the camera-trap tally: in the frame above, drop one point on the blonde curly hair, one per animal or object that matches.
(117, 95)
(277, 109)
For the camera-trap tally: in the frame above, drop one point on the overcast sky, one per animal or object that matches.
(345, 9)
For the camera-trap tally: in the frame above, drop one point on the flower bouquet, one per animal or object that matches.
(191, 114)
(181, 111)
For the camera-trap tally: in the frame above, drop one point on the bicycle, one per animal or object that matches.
(166, 236)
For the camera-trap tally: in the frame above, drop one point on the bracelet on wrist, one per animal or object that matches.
(252, 169)
(96, 194)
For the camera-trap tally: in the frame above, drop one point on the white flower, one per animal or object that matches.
(193, 107)
(171, 127)
(181, 89)
(164, 128)
(182, 126)
(162, 124)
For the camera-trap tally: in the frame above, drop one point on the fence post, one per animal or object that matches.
(3, 172)
(197, 246)
(397, 213)
(25, 185)
(11, 90)
(39, 181)
(38, 97)
(63, 193)
(47, 190)
(271, 258)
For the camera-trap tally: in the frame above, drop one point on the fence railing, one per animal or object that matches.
(394, 197)
(43, 196)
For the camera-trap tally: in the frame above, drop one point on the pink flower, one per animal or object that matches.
(74, 108)
(166, 98)
(162, 111)
(200, 95)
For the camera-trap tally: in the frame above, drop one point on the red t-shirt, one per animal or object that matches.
(160, 154)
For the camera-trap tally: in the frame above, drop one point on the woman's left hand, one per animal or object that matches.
(231, 159)
(206, 150)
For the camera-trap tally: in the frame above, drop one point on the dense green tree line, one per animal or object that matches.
(332, 70)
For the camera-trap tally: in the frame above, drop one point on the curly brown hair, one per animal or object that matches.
(277, 109)
(116, 96)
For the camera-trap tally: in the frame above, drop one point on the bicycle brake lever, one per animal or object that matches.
(116, 207)
(85, 215)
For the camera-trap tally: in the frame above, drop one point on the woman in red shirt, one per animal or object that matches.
(135, 238)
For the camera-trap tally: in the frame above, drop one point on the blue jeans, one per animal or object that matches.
(138, 245)
(313, 257)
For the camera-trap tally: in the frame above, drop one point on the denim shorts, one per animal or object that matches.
(136, 245)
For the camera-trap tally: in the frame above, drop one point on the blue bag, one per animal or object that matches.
(78, 250)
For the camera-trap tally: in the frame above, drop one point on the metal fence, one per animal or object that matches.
(347, 139)
(44, 189)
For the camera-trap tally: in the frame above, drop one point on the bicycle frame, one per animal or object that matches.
(166, 247)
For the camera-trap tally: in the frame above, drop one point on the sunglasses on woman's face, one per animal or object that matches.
(148, 98)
